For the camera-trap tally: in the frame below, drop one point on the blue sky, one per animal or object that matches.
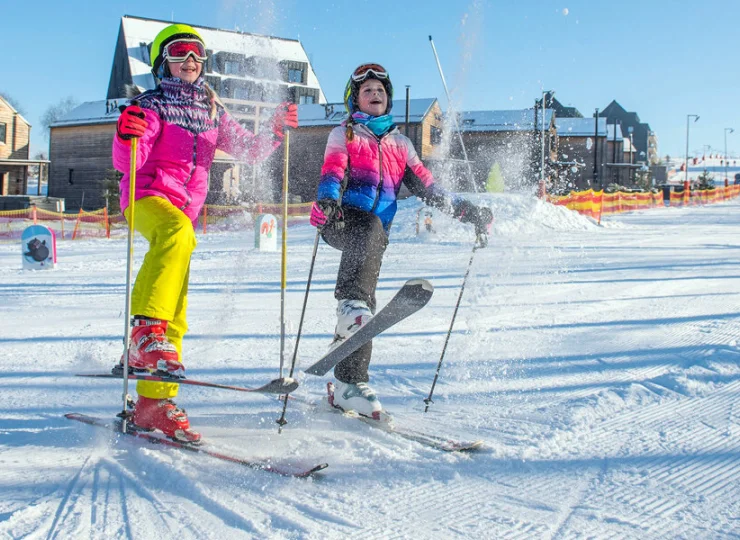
(662, 59)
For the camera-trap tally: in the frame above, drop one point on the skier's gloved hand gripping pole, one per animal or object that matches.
(286, 116)
(131, 126)
(481, 217)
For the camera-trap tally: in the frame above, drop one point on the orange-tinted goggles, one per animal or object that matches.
(365, 70)
(180, 49)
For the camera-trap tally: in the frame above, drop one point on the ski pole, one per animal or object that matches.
(284, 265)
(282, 421)
(428, 400)
(453, 116)
(129, 271)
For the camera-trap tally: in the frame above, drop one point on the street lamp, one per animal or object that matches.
(544, 109)
(630, 130)
(731, 131)
(696, 119)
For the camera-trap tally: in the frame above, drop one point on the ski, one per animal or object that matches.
(277, 386)
(408, 300)
(385, 422)
(282, 468)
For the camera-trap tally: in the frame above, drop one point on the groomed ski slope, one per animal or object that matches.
(600, 365)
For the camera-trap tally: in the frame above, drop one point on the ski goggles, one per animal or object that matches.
(180, 49)
(365, 70)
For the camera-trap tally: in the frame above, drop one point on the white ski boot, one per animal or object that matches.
(351, 316)
(355, 397)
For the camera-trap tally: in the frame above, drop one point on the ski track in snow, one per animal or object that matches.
(599, 365)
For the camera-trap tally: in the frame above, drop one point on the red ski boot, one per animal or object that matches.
(150, 349)
(164, 415)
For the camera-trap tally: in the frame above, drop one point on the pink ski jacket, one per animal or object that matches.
(376, 168)
(176, 152)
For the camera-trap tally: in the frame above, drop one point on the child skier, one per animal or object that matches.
(179, 124)
(364, 164)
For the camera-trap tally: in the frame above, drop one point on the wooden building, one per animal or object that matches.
(582, 152)
(80, 152)
(643, 138)
(251, 73)
(15, 133)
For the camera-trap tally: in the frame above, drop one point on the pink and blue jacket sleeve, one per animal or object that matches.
(336, 159)
(422, 185)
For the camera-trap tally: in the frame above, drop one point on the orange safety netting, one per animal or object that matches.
(597, 203)
(98, 224)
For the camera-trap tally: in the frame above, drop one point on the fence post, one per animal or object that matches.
(686, 194)
(107, 223)
(77, 224)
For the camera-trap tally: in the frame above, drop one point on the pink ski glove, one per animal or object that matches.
(318, 217)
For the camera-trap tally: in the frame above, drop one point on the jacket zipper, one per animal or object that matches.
(192, 171)
(380, 180)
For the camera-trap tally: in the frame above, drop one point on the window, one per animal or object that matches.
(242, 92)
(231, 67)
(3, 131)
(303, 100)
(435, 135)
(144, 48)
(295, 75)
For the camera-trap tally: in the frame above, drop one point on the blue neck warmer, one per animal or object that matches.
(379, 125)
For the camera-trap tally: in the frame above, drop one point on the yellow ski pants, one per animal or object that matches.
(161, 287)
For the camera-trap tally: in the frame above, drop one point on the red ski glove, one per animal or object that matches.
(131, 123)
(286, 115)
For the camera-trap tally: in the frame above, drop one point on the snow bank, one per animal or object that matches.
(514, 214)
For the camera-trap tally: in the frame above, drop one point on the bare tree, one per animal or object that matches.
(13, 102)
(57, 111)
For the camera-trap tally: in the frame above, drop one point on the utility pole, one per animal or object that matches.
(408, 104)
(731, 130)
(596, 148)
(686, 164)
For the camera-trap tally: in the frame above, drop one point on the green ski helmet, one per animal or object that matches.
(167, 35)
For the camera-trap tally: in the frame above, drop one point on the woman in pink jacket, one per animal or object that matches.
(180, 125)
(364, 164)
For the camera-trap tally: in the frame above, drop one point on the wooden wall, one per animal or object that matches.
(14, 179)
(86, 150)
(433, 120)
(17, 134)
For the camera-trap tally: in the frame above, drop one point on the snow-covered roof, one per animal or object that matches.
(139, 33)
(580, 127)
(610, 132)
(511, 120)
(104, 111)
(333, 113)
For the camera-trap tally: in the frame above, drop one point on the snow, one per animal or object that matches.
(508, 120)
(599, 365)
(579, 127)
